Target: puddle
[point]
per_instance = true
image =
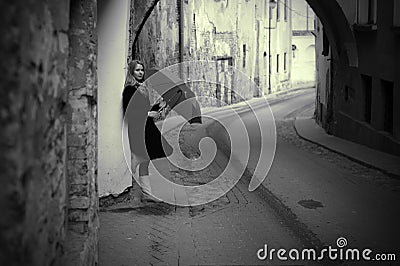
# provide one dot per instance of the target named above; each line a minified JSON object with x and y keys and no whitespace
{"x":310,"y":204}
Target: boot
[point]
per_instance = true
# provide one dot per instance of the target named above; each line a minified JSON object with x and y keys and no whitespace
{"x":146,"y":189}
{"x":144,"y":179}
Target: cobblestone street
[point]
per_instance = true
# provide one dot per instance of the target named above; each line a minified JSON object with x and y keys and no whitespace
{"x":229,"y":230}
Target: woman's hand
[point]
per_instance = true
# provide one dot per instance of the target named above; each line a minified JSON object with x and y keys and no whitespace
{"x":162,"y":104}
{"x":152,"y":114}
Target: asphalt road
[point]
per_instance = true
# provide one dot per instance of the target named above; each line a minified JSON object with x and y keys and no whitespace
{"x":227,"y":231}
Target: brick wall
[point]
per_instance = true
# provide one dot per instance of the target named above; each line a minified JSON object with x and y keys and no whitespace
{"x":83,"y":220}
{"x":43,"y":112}
{"x":34,"y":53}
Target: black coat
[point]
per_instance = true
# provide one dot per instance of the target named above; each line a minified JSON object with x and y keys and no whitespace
{"x":145,"y":139}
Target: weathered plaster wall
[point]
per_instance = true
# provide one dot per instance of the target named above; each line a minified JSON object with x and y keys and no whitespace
{"x":158,"y":44}
{"x":302,"y":16}
{"x":303,"y":70}
{"x":303,"y":56}
{"x":224,"y":30}
{"x":281,"y":40}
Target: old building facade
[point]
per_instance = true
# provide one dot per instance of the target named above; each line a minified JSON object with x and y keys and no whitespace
{"x":252,"y":36}
{"x":303,"y":44}
{"x":362,"y":103}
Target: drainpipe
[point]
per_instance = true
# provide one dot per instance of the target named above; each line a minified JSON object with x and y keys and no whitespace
{"x":272,"y":4}
{"x":180,"y":4}
{"x":269,"y":52}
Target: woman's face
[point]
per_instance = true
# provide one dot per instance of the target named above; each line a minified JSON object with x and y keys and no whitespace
{"x":138,"y":72}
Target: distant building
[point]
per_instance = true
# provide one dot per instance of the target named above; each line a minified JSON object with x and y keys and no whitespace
{"x":280,"y":40}
{"x":303,"y":44}
{"x":361,"y":102}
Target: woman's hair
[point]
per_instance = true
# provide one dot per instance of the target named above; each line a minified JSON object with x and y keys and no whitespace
{"x":130,"y":80}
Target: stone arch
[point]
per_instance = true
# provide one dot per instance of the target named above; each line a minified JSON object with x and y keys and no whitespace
{"x":338,"y":30}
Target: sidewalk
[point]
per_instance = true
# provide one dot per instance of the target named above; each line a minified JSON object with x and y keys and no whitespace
{"x":311,"y":131}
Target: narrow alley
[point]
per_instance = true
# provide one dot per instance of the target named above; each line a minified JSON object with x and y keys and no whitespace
{"x":200,"y":132}
{"x":230,"y":230}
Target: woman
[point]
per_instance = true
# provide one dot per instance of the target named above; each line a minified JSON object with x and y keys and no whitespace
{"x":146,"y":141}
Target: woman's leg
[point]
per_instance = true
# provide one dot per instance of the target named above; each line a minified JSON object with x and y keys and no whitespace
{"x":135,"y":163}
{"x":135,"y":193}
{"x":144,"y":177}
{"x":145,"y":184}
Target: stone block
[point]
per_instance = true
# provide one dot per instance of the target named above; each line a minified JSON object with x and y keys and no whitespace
{"x":79,"y":190}
{"x":77,"y":153}
{"x":78,"y":227}
{"x":79,"y":202}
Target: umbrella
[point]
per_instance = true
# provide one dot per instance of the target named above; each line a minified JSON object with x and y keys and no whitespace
{"x":176,"y":93}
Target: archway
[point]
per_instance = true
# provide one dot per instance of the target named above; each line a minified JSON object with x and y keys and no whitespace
{"x":335,"y":22}
{"x":337,"y":28}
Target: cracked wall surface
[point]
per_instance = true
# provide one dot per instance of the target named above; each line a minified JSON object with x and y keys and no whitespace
{"x":233,"y":32}
{"x":39,"y":113}
{"x":83,"y":222}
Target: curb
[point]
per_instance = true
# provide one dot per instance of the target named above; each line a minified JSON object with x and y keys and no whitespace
{"x":352,"y":158}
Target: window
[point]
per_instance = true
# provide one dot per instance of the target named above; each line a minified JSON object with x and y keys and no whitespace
{"x":346,"y":93}
{"x":272,"y":14}
{"x":244,"y":55}
{"x":277,"y":63}
{"x":278,"y":10}
{"x":387,"y":97}
{"x":366,"y":82}
{"x":284,"y":61}
{"x":366,"y":11}
{"x":285,"y":14}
